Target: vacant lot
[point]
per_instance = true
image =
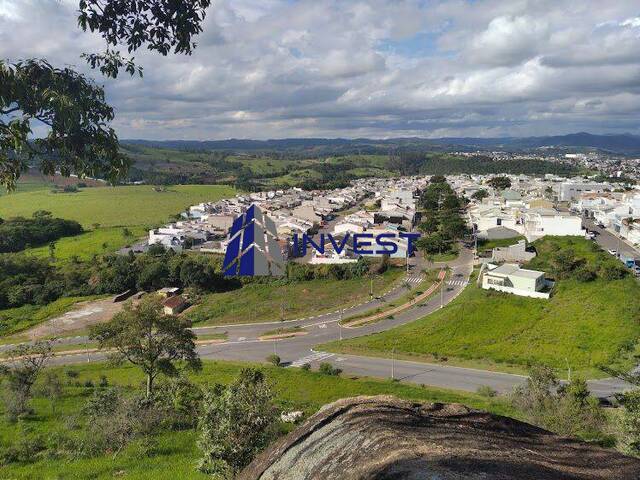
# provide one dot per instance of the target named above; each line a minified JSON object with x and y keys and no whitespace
{"x":583,"y":325}
{"x":174,"y":454}
{"x":260,"y":302}
{"x":113,"y":206}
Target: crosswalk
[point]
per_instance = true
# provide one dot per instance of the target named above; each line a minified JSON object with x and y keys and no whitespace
{"x":314,"y":357}
{"x":415,"y":279}
{"x":457,"y":283}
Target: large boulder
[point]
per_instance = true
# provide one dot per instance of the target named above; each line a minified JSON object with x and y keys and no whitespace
{"x":386,"y":438}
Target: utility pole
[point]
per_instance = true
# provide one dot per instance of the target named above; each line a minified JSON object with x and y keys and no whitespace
{"x":568,"y":369}
{"x":442,"y":292}
{"x":393,"y":360}
{"x":275,"y":346}
{"x":371,"y":288}
{"x":340,"y":323}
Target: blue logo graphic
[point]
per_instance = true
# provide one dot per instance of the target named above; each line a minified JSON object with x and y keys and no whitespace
{"x":253,"y":247}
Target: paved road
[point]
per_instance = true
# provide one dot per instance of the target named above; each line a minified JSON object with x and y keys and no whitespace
{"x":609,"y":241}
{"x":243,"y":344}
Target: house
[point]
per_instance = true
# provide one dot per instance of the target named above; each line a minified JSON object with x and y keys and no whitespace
{"x":510,"y":278}
{"x":174,"y":305}
{"x":541,"y":222}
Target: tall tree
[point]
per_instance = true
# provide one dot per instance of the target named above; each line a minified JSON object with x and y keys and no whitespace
{"x":71,"y":107}
{"x":144,"y":336}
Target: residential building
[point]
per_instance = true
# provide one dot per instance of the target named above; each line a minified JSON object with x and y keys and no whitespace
{"x":510,"y":278}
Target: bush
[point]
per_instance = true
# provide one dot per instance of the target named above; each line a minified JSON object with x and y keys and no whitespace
{"x":306,"y":367}
{"x":274,"y":359}
{"x":612,"y":272}
{"x":328,"y":369}
{"x":486,"y":391}
{"x":585,"y":274}
{"x":26,"y":448}
{"x":104,"y":383}
{"x":236,"y":423}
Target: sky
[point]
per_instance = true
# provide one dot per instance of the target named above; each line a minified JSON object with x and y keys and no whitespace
{"x":376,"y":68}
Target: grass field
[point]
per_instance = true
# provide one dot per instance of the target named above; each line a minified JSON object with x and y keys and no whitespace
{"x":93,"y":242}
{"x":121,"y":206}
{"x":260,"y":302}
{"x":176,"y":454}
{"x":14,"y":320}
{"x":583,"y":325}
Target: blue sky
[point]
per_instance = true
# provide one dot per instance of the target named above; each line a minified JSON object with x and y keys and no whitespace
{"x":376,"y":68}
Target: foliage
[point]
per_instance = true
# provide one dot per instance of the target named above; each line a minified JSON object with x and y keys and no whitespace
{"x":160,"y":26}
{"x":585,"y":323}
{"x":18,"y":233}
{"x":499,"y":182}
{"x":73,"y":109}
{"x":327,"y":369}
{"x":480,"y":194}
{"x":274,"y":360}
{"x":443,"y":222}
{"x":21,"y":370}
{"x":145,"y":337}
{"x":567,"y":409}
{"x":237,"y":423}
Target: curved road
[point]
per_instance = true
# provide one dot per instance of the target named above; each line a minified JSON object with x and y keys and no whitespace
{"x":243,"y":342}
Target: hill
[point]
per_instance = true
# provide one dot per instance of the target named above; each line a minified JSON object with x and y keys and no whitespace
{"x":622,"y":143}
{"x":584,"y":324}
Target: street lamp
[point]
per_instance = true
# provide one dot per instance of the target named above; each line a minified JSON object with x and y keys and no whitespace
{"x":340,"y":323}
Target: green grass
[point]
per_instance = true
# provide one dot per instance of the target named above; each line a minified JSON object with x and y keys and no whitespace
{"x":263,"y":302}
{"x":136,"y":205}
{"x":85,"y":245}
{"x":488,"y":245}
{"x":176,"y":453}
{"x":283,"y":331}
{"x":583,"y":324}
{"x":15,"y":320}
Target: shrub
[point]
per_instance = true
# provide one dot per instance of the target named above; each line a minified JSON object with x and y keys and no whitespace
{"x":486,"y":391}
{"x":236,"y":423}
{"x":274,"y":359}
{"x":26,"y":448}
{"x":306,"y":367}
{"x":104,"y":382}
{"x":585,"y":274}
{"x":612,"y":271}
{"x":328,"y":369}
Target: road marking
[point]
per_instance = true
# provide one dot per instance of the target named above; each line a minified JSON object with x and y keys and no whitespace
{"x":322,"y":325}
{"x":314,"y":357}
{"x":457,"y":283}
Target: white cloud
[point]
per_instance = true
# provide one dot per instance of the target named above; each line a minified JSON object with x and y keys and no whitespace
{"x":285,"y":68}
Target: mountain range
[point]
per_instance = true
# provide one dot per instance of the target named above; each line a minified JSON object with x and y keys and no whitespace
{"x":618,"y":143}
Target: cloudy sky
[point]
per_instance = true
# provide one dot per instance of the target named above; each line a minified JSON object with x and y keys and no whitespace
{"x":375,"y":68}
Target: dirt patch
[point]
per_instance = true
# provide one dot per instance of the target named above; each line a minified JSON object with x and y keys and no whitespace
{"x":82,"y":316}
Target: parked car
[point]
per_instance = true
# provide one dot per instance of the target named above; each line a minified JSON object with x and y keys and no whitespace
{"x":613,"y":252}
{"x":590,"y":236}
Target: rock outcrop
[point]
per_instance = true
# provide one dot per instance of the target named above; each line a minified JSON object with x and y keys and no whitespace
{"x":386,"y":438}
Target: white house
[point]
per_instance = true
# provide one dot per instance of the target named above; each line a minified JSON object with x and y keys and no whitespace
{"x":541,"y":222}
{"x":510,"y":278}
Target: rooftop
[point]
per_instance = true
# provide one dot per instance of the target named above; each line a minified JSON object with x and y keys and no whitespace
{"x":514,"y":270}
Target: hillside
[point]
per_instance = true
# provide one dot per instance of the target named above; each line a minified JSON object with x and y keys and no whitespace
{"x":622,"y":143}
{"x":583,"y":325}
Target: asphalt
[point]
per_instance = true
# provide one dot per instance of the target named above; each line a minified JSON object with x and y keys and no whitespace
{"x":243,"y":342}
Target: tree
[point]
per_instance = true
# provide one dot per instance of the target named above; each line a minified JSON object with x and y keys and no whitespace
{"x":564,"y":262}
{"x":21,"y":370}
{"x":236,"y":423}
{"x":145,"y":337}
{"x":499,"y":182}
{"x":73,"y":109}
{"x":51,"y":389}
{"x":160,"y":25}
{"x":480,"y":194}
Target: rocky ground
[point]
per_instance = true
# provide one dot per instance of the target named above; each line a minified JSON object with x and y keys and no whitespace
{"x":386,"y":438}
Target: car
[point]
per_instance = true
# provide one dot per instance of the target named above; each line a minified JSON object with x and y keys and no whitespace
{"x":613,"y":252}
{"x":600,"y":225}
{"x":590,"y":236}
